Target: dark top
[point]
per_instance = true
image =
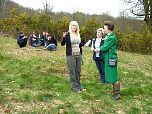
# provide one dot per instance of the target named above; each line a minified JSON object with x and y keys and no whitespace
{"x":51,"y":41}
{"x":67,"y":40}
{"x":43,"y":38}
{"x":20,"y":39}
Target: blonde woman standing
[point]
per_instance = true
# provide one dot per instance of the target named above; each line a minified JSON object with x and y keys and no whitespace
{"x":73,"y":55}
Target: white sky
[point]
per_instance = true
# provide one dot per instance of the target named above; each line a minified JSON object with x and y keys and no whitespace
{"x":113,"y":7}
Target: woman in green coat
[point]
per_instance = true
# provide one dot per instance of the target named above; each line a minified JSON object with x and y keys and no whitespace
{"x":110,"y":58}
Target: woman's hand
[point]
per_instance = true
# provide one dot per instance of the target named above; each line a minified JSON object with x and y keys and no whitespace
{"x":87,"y":44}
{"x":64,"y":33}
{"x":97,"y":49}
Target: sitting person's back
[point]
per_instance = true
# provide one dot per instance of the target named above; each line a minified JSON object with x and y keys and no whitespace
{"x":51,"y":43}
{"x":22,"y":40}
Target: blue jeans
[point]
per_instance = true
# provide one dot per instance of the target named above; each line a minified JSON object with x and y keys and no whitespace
{"x":51,"y":47}
{"x":101,"y":69}
{"x":35,"y":43}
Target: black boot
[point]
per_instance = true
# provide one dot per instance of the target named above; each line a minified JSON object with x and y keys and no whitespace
{"x":116,"y":91}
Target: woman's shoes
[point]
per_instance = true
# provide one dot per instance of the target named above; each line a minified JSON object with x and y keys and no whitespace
{"x":83,"y":89}
{"x":79,"y":91}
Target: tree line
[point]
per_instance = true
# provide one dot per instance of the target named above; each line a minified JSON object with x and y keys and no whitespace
{"x":133,"y":35}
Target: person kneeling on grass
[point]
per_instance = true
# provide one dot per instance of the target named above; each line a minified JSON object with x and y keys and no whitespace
{"x":51,"y":43}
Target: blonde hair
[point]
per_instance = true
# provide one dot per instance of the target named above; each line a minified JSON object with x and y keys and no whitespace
{"x":70,"y":27}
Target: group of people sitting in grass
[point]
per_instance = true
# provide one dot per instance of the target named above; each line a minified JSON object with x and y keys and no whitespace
{"x":34,"y":40}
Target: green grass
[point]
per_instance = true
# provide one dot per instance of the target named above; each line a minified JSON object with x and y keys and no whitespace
{"x":33,"y":80}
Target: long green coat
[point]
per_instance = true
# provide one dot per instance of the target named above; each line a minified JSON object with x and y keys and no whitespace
{"x":109,"y":49}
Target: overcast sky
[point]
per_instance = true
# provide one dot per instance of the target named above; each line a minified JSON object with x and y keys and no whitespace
{"x":113,"y":7}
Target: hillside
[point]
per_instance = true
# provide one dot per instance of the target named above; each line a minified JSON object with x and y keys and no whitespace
{"x":7,"y":5}
{"x":33,"y":80}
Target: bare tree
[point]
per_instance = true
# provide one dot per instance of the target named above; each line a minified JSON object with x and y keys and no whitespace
{"x":2,"y":8}
{"x":47,"y":7}
{"x":1,"y":4}
{"x":142,"y":8}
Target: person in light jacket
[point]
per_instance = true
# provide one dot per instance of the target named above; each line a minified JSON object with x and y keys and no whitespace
{"x":98,"y":57}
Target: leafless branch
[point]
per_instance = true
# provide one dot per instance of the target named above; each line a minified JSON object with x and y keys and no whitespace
{"x":137,"y":14}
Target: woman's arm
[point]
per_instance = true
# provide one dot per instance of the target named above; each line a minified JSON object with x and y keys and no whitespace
{"x":63,"y":41}
{"x":82,"y":43}
{"x":107,"y":44}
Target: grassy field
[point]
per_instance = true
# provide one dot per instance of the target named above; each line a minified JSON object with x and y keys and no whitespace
{"x":36,"y":81}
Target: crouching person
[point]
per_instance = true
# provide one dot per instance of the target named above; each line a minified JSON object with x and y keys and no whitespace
{"x":110,"y":58}
{"x":22,"y":40}
{"x":51,"y":43}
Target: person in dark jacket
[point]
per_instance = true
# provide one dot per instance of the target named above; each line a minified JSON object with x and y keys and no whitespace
{"x":51,"y":43}
{"x":73,"y":55}
{"x":22,"y":40}
{"x":98,"y":57}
